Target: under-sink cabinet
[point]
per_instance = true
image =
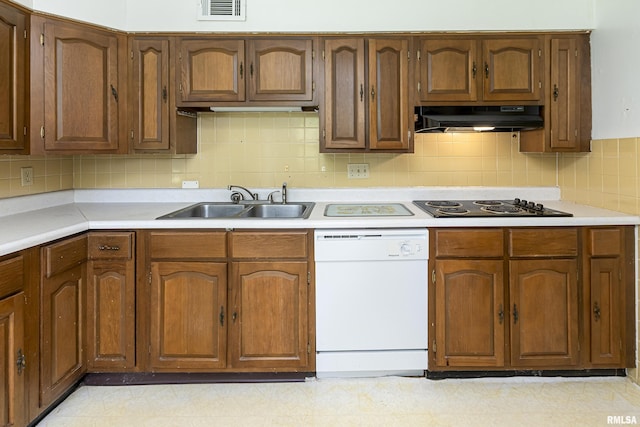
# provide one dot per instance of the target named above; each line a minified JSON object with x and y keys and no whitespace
{"x":229,"y":301}
{"x":530,"y":298}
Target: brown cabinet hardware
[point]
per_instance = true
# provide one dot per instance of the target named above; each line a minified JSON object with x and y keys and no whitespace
{"x":596,"y":311}
{"x":500,"y":314}
{"x":556,"y":93}
{"x":515,"y":314}
{"x":21,"y":362}
{"x":221,"y":315}
{"x":114,"y":92}
{"x":108,"y":248}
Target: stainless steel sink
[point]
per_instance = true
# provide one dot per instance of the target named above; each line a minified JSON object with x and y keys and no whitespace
{"x":290,"y":210}
{"x":209,"y":210}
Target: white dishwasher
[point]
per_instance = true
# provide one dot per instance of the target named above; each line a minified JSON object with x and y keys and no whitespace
{"x":371,"y":302}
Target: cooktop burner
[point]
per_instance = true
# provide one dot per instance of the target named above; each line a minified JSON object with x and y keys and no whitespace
{"x":487,"y":208}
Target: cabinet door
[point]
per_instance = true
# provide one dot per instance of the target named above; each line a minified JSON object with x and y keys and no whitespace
{"x":81,"y":89}
{"x":512,"y":69}
{"x":188,"y":315}
{"x":448,"y":70}
{"x":61,"y":319}
{"x":344,"y":96}
{"x":606,"y":337}
{"x":12,"y":81}
{"x":469,"y":313}
{"x":564,"y":116}
{"x":150,"y":94}
{"x":280,"y":70}
{"x":269,"y":315}
{"x":111,"y":315}
{"x":544,"y":312}
{"x":388,"y":94}
{"x":211,"y":70}
{"x":12,"y":380}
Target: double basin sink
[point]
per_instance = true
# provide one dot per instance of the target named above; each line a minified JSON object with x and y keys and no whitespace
{"x":221,"y":210}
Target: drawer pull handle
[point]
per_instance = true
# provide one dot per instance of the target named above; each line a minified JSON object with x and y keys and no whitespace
{"x":108,"y":248}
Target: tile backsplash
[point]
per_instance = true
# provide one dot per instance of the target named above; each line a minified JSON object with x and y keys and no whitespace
{"x":265,"y":149}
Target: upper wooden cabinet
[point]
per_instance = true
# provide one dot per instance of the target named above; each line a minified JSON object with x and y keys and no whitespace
{"x":13,"y":66}
{"x":264,"y":70}
{"x":155,"y":122}
{"x":567,"y":112}
{"x":492,"y":70}
{"x":366,"y":102}
{"x":78,"y":103}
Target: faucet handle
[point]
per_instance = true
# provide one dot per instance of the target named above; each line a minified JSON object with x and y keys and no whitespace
{"x":270,"y":196}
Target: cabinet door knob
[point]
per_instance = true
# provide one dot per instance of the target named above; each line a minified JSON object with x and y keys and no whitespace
{"x":486,"y":70}
{"x":556,"y":92}
{"x":474,"y":70}
{"x":221,"y":315}
{"x":114,"y":92}
{"x":515,"y":314}
{"x":373,"y":93}
{"x":500,"y":314}
{"x":21,"y":362}
{"x":596,"y":311}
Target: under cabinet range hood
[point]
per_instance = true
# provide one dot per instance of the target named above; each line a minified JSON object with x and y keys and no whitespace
{"x":478,"y":118}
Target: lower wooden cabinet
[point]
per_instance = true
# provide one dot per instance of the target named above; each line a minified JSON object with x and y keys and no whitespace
{"x":469,"y":313}
{"x":188,"y":315}
{"x":110,"y":308}
{"x":269,"y":315}
{"x":609,"y":307}
{"x":229,"y":301}
{"x":544,"y":312}
{"x":12,"y":360}
{"x":512,"y":299}
{"x":61,"y":317}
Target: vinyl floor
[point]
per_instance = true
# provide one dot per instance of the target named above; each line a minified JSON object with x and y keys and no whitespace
{"x":388,"y":401}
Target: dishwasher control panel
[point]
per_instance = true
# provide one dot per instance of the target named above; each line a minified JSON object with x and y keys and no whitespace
{"x":372,"y":245}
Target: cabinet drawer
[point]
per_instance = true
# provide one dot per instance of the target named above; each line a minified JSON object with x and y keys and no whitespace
{"x":544,"y":242}
{"x":63,"y":255}
{"x":604,"y":241}
{"x":110,"y":245}
{"x":188,"y":245}
{"x":11,"y":276}
{"x":469,"y":243}
{"x":290,"y":244}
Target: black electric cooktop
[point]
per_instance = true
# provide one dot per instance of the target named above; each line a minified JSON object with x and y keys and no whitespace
{"x":487,"y":208}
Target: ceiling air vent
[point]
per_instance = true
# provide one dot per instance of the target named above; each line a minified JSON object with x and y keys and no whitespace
{"x":222,"y":10}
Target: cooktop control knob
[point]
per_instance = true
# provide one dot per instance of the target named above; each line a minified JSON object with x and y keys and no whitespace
{"x":539,"y":207}
{"x":531,"y":205}
{"x":516,"y":201}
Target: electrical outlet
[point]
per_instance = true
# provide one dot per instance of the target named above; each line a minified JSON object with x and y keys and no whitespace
{"x":26,"y":176}
{"x":190,"y":184}
{"x":358,"y":170}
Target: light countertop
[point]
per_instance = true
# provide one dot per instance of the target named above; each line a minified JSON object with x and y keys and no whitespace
{"x":33,"y":220}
